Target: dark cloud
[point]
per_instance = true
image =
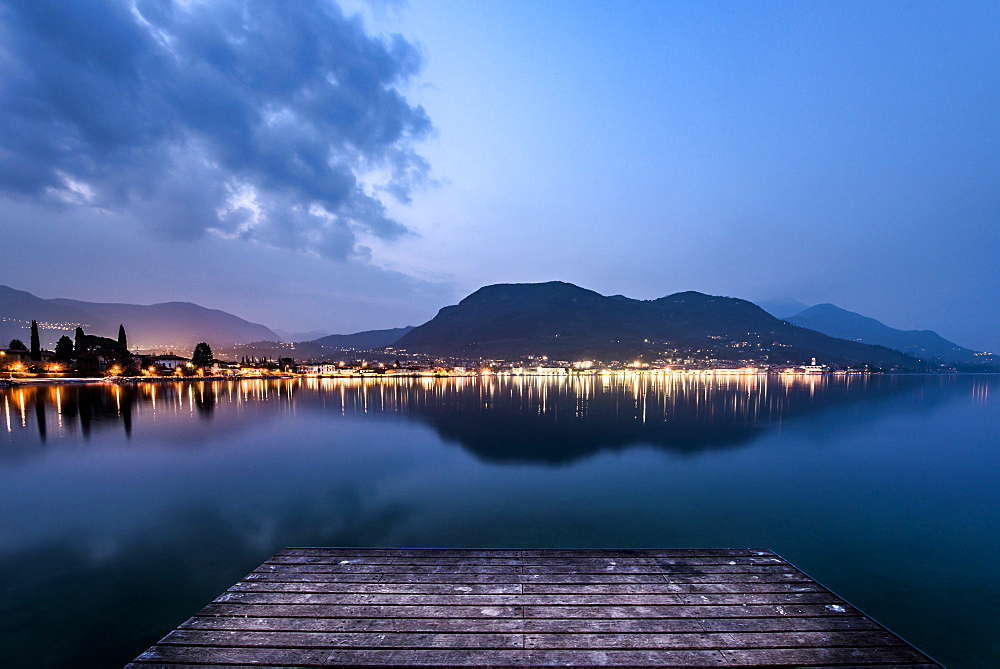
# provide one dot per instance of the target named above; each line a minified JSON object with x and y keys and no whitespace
{"x":279,"y":122}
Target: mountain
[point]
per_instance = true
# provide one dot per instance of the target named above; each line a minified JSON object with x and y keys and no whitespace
{"x":168,"y":326}
{"x":782,"y":308}
{"x":312,"y":335}
{"x":926,"y":344}
{"x":569,"y":323}
{"x":362,"y":341}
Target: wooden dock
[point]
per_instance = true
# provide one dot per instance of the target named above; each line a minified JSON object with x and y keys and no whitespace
{"x":348,"y":606}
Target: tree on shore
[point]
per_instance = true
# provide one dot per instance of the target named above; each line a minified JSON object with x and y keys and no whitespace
{"x":122,"y":339}
{"x":36,"y":346}
{"x":80,"y":344}
{"x":16,"y":345}
{"x":64,"y":349}
{"x":202,"y":355}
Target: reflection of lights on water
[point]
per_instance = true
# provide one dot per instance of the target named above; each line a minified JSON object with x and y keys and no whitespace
{"x":6,"y":412}
{"x":638,"y":396}
{"x":59,"y":416}
{"x":981,"y":392}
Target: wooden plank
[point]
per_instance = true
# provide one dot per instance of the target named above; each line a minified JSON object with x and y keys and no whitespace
{"x":721,"y":559}
{"x":773,"y":577}
{"x":402,"y":552}
{"x":738,"y":611}
{"x":701,"y":639}
{"x":538,"y":625}
{"x":267,"y":575}
{"x":653,"y":625}
{"x":381,"y":588}
{"x":496,"y":600}
{"x":358,"y":568}
{"x":440,"y":625}
{"x":510,"y":567}
{"x":652,"y":553}
{"x":287,"y":639}
{"x":472,"y":577}
{"x":421,"y":607}
{"x":728,"y":569}
{"x":696,"y":639}
{"x":665,"y":588}
{"x":582,"y":565}
{"x":789,"y":624}
{"x":454,"y":579}
{"x":442,"y":561}
{"x":895,"y":655}
{"x":336,"y":611}
{"x":650,"y":568}
{"x":334,"y":577}
{"x":193,"y":655}
{"x":503,"y":658}
{"x":596,"y":568}
{"x":744,"y":598}
{"x":566,"y":599}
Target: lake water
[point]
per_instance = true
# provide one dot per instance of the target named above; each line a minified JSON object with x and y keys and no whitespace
{"x":125,"y":509}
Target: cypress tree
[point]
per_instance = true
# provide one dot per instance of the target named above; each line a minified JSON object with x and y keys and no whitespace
{"x":36,"y":347}
{"x":122,"y":340}
{"x":78,"y":344}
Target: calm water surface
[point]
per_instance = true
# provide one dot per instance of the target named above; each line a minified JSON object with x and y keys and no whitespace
{"x":123,"y":510}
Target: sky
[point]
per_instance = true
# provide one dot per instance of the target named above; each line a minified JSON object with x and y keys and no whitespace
{"x":341,"y":167}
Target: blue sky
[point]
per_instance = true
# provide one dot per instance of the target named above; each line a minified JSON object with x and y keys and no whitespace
{"x":359,"y":166}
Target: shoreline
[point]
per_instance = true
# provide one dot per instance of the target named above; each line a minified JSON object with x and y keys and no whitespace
{"x":13,"y":383}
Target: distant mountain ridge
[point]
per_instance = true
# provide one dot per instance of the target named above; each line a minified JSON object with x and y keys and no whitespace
{"x":312,"y":335}
{"x":926,"y":344}
{"x":567,"y":322}
{"x":782,"y":308}
{"x":178,"y":325}
{"x":365,"y":340}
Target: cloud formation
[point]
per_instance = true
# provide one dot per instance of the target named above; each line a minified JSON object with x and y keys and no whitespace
{"x":279,"y":122}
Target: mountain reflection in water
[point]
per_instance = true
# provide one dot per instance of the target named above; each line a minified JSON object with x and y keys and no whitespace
{"x":502,"y":419}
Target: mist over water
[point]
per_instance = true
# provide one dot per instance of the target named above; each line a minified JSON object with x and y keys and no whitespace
{"x":125,"y":509}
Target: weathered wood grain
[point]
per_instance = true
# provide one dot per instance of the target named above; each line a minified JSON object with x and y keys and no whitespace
{"x":195,"y":655}
{"x":593,"y":607}
{"x":664,"y":588}
{"x":288,"y":639}
{"x":652,"y":625}
{"x":529,"y":658}
{"x":735,"y":611}
{"x":702,"y":639}
{"x":335,"y":611}
{"x":893,"y":656}
{"x":381,"y":588}
{"x":439,"y":625}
